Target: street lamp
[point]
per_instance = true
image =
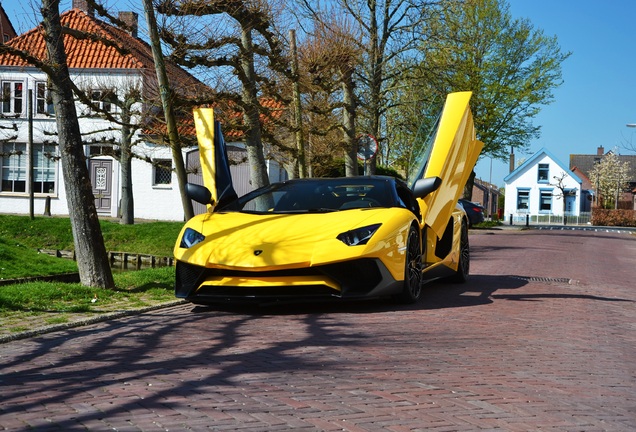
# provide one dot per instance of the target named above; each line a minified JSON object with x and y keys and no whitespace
{"x":632,"y":125}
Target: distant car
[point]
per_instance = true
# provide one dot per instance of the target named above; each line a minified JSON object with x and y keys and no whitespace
{"x":474,"y":211}
{"x":320,"y":238}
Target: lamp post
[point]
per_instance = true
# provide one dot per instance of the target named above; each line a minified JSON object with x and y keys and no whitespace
{"x":632,"y":125}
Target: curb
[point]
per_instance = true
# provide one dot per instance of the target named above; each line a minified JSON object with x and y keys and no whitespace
{"x":88,"y":321}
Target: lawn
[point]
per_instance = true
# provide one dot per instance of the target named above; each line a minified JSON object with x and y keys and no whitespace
{"x":27,"y":305}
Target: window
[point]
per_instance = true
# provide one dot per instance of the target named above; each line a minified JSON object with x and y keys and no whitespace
{"x":14,"y":168}
{"x":43,"y":102}
{"x":12,"y":97}
{"x":523,"y":198}
{"x":544,"y":173}
{"x":103,"y":99}
{"x":545,"y":200}
{"x":162,"y":172}
{"x":44,"y":159}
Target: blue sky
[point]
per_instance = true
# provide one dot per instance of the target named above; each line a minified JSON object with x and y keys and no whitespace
{"x":597,"y":98}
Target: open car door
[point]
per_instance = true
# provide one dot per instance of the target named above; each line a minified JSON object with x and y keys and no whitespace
{"x":215,"y":167}
{"x":452,"y":158}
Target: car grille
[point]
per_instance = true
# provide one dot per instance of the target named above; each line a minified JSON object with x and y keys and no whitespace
{"x":354,"y":278}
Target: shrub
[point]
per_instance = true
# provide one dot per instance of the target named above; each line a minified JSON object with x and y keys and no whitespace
{"x":619,"y":217}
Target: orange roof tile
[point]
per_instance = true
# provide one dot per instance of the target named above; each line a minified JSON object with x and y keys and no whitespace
{"x":95,"y":54}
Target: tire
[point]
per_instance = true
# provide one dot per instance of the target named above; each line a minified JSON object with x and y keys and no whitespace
{"x":463,"y":267}
{"x":412,"y":288}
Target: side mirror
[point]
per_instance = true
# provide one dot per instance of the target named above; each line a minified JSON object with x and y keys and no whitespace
{"x":425,"y":186}
{"x":198,"y":193}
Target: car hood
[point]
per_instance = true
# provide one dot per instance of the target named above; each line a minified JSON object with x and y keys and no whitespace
{"x":250,"y":241}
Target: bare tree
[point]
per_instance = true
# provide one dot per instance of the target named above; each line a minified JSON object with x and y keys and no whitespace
{"x":330,"y":57}
{"x":563,"y":192}
{"x":92,"y":260}
{"x":387,"y":31}
{"x":237,"y":40}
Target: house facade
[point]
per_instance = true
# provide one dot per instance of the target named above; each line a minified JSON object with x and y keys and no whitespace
{"x":7,"y":32}
{"x":543,"y":186}
{"x":582,"y":164}
{"x":487,"y":195}
{"x":29,"y":153}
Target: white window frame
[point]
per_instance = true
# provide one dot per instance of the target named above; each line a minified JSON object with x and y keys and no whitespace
{"x":43,"y":103}
{"x":14,"y":168}
{"x":10,"y":99}
{"x":96,"y":97}
{"x":157,"y":166}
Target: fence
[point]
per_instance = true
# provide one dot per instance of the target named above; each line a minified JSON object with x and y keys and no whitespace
{"x":549,"y":219}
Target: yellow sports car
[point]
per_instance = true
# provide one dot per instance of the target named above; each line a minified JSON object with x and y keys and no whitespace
{"x":322,"y":238}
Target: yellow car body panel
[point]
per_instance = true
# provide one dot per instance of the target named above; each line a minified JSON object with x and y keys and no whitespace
{"x":283,"y":241}
{"x":204,"y":125}
{"x":453,"y":157}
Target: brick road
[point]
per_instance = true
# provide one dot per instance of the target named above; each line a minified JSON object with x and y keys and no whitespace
{"x":543,"y":338}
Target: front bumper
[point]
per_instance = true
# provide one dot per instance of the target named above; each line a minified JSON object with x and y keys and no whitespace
{"x":361,"y":278}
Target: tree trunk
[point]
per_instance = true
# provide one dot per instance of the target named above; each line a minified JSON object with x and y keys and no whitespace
{"x":168,"y":110}
{"x":92,"y":260}
{"x":125,"y":160}
{"x":348,"y":123}
{"x":251,"y":119}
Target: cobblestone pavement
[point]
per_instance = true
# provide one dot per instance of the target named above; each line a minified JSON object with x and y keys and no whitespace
{"x":542,"y":338}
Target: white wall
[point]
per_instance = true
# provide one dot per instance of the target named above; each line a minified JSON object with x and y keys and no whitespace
{"x":528,"y":178}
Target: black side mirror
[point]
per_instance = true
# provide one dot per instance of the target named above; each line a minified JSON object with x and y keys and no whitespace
{"x":198,"y":193}
{"x":425,"y":186}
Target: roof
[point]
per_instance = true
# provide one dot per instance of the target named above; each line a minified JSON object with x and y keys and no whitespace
{"x":96,"y":54}
{"x":533,"y":160}
{"x":585,"y":163}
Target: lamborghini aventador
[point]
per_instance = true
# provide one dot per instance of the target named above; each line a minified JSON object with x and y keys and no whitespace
{"x":329,"y":238}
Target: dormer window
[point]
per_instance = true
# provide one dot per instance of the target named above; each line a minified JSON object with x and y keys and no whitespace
{"x":544,"y":173}
{"x":12,"y":97}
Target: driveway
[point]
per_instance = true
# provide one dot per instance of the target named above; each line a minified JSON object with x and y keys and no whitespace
{"x":542,"y":338}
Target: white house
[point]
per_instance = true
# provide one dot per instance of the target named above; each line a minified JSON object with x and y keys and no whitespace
{"x":102,"y":71}
{"x":539,"y":187}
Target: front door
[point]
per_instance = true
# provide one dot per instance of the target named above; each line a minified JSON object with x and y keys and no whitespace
{"x":102,"y":180}
{"x":570,"y":200}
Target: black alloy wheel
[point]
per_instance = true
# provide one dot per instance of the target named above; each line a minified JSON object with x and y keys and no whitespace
{"x":412,"y":288}
{"x":463,"y":267}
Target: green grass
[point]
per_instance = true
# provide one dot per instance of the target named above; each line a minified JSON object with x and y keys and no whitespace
{"x":489,"y":224}
{"x":133,"y":289}
{"x":17,"y":261}
{"x":21,"y":237}
{"x":25,"y":306}
{"x":154,"y":238}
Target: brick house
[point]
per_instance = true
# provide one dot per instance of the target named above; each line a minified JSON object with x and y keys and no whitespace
{"x":583,"y":163}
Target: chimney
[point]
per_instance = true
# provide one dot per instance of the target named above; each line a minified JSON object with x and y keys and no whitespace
{"x":131,"y":21}
{"x":512,"y":159}
{"x":84,"y":6}
{"x":600,"y":151}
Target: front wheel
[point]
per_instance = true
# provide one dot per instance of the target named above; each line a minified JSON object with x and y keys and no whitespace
{"x":463,"y":266}
{"x":412,"y":288}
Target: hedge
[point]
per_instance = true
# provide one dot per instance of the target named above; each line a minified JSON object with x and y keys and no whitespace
{"x":619,"y":217}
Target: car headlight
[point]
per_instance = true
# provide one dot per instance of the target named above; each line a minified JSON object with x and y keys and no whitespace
{"x":190,"y":238}
{"x":358,"y":236}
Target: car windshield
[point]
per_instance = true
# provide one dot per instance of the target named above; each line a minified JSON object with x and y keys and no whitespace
{"x":317,"y":195}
